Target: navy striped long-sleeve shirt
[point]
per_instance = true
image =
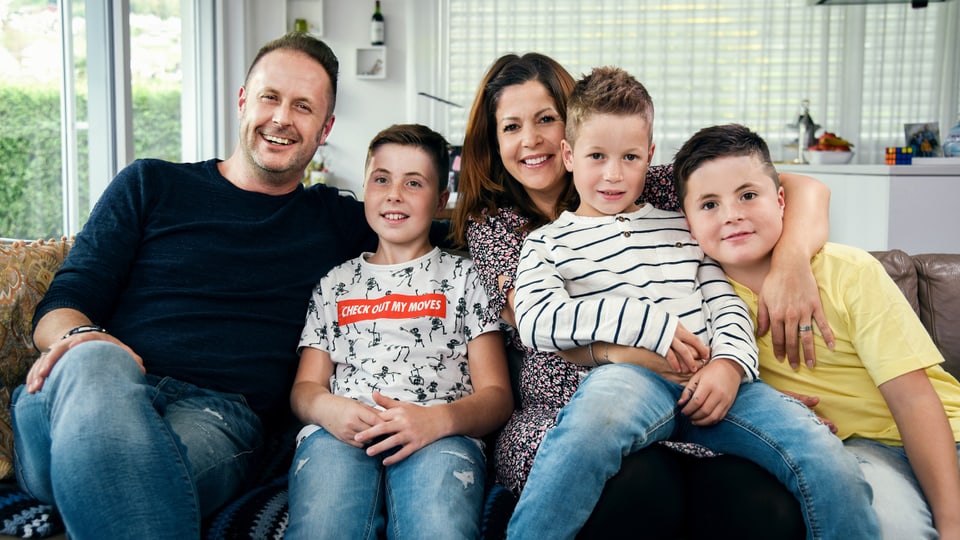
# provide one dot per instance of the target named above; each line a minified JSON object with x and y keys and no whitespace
{"x":627,"y":279}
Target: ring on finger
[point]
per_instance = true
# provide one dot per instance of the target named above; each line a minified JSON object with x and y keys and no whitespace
{"x":805,"y":328}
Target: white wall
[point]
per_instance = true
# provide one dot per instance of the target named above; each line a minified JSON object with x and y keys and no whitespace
{"x":364,"y":106}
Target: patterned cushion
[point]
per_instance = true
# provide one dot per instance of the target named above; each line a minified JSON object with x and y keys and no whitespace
{"x":25,"y":517}
{"x":26,"y":271}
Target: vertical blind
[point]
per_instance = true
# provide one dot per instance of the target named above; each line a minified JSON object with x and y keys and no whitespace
{"x":719,"y":61}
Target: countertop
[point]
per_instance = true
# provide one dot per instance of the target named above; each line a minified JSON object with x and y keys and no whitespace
{"x":925,"y":167}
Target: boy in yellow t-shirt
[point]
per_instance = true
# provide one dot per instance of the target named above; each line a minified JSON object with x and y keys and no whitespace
{"x":881,"y":382}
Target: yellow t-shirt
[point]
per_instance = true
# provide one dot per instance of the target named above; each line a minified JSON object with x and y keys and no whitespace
{"x":878,"y":338}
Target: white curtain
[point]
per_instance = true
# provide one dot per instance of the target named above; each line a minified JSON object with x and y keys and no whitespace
{"x":866,"y":70}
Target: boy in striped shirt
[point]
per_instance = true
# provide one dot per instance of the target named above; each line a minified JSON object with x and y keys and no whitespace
{"x":614,"y":271}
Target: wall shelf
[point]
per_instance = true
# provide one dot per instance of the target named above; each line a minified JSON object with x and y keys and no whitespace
{"x":371,"y":62}
{"x":308,"y":10}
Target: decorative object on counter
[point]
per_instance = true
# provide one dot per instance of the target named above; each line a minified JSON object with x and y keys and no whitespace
{"x":899,"y":155}
{"x":924,"y":138}
{"x":806,"y":131}
{"x":300,"y":25}
{"x":830,"y":142}
{"x":316,"y":171}
{"x":377,"y":26}
{"x":951,"y":143}
{"x":827,"y":157}
{"x":829,"y":149}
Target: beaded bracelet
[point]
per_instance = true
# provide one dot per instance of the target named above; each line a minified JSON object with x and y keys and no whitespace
{"x":83,"y":329}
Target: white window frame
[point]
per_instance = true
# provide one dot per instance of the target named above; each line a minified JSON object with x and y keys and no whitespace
{"x":110,"y":108}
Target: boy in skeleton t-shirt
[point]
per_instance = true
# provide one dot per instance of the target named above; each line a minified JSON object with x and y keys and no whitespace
{"x":402,"y":369}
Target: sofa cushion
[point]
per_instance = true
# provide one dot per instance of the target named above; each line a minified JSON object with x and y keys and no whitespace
{"x":26,"y":271}
{"x":939,"y":294}
{"x":901,"y":268}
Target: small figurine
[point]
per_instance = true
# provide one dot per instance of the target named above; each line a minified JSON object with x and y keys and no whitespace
{"x":806,"y":131}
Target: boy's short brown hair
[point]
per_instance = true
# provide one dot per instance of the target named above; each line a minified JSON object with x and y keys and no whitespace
{"x":717,"y":142}
{"x":607,"y":90}
{"x":419,"y":136}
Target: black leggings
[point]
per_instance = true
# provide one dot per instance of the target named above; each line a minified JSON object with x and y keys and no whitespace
{"x":659,"y":493}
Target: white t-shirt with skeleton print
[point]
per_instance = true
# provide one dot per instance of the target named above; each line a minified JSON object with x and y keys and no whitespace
{"x":399,"y":329}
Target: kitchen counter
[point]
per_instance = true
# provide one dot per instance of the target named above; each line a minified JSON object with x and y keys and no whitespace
{"x":880,"y":207}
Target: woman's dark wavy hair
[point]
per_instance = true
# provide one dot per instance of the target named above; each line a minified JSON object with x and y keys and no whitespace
{"x":484,"y":182}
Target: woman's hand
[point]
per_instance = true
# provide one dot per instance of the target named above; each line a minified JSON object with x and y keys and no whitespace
{"x":788,"y":307}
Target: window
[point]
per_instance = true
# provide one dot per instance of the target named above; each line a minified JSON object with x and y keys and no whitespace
{"x":80,"y":104}
{"x":866,"y":70}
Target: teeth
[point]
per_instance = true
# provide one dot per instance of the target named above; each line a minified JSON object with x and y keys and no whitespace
{"x":535,"y":161}
{"x":277,"y":140}
{"x":395,"y":216}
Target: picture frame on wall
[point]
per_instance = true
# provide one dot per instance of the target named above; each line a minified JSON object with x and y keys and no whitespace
{"x":924,"y":138}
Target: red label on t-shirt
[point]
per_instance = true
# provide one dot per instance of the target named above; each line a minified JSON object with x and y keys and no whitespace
{"x":392,"y":306}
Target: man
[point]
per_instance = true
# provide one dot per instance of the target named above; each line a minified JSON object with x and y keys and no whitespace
{"x":169,"y":335}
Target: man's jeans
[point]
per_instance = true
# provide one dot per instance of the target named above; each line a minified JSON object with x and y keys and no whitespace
{"x":126,"y":455}
{"x":897,"y":497}
{"x":619,"y":409}
{"x":338,"y":491}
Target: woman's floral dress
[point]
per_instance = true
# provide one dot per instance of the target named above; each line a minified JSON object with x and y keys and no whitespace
{"x":547,"y":381}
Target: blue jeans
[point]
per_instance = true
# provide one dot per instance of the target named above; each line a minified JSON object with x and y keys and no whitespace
{"x":619,"y":409}
{"x":897,"y":497}
{"x":338,"y":491}
{"x":126,"y":455}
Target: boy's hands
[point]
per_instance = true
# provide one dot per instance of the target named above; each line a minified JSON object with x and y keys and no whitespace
{"x":405,"y":425}
{"x":345,"y":418}
{"x":687,"y":353}
{"x":711,"y":391}
{"x":811,"y":402}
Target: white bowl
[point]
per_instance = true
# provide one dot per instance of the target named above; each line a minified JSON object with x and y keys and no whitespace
{"x":827,"y":157}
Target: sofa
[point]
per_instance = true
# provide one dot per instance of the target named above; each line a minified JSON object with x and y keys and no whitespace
{"x":931,"y":282}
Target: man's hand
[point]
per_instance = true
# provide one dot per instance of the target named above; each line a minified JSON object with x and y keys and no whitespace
{"x":40,"y":369}
{"x":788,"y":307}
{"x":710,"y":393}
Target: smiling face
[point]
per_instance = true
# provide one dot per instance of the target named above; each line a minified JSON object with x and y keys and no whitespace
{"x":283,"y":116}
{"x":609,"y":160}
{"x":735,"y":211}
{"x":400,"y":197}
{"x":529,"y":130}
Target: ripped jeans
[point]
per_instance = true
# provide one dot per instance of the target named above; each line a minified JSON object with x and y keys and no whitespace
{"x":338,"y":491}
{"x":620,"y":408}
{"x":127,"y":455}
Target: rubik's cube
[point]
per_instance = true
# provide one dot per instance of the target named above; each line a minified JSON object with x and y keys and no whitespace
{"x":899,"y":155}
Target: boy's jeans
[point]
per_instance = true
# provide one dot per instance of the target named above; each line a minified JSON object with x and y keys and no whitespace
{"x":127,"y":455}
{"x":897,"y":497}
{"x":338,"y":491}
{"x":619,"y":409}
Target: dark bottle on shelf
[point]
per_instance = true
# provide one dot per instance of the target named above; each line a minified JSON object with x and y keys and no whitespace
{"x":377,"y":26}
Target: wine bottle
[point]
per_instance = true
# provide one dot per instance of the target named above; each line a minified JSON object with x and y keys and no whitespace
{"x":377,"y":26}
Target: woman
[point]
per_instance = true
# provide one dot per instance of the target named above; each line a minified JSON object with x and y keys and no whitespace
{"x":512,"y":180}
